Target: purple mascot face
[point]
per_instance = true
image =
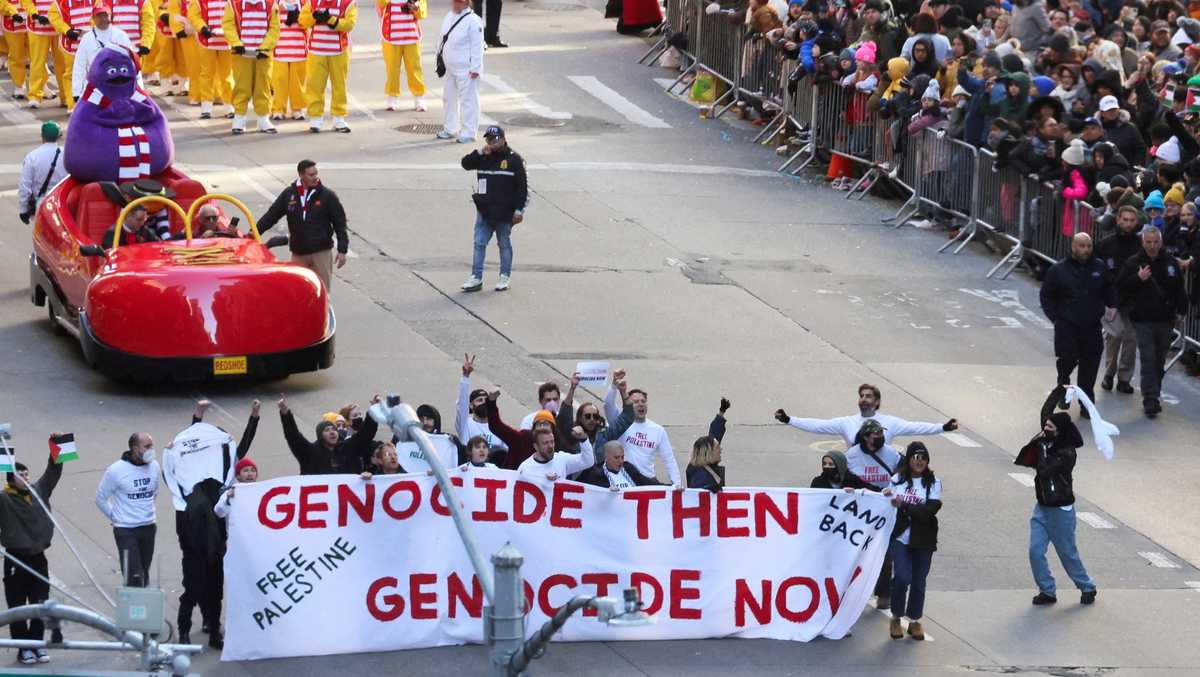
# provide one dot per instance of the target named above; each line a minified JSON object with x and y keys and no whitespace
{"x":116,"y":132}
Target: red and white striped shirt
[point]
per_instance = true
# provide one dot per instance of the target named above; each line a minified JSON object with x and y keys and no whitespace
{"x":10,"y":27}
{"x":164,"y":31}
{"x":43,"y":8}
{"x":127,"y":15}
{"x":399,"y":27}
{"x":213,"y":11}
{"x":78,"y":15}
{"x":252,"y":17}
{"x":323,"y":40}
{"x":292,"y":45}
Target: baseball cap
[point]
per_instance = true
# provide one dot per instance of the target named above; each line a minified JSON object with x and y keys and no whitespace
{"x":1091,"y":121}
{"x":1160,"y":25}
{"x":493,"y":132}
{"x":102,"y":7}
{"x":1108,"y":103}
{"x":50,"y":130}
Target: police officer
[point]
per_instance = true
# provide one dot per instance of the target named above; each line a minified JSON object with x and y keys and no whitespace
{"x":501,"y":193}
{"x":1076,"y":294}
{"x":1151,"y":285}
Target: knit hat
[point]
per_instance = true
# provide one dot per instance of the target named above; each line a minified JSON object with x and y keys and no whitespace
{"x":932,"y":91}
{"x":244,"y":463}
{"x":992,"y":59}
{"x":876,"y":5}
{"x":322,"y":426}
{"x":1073,"y":155}
{"x":543,"y":416}
{"x":866,"y":52}
{"x":959,"y":91}
{"x":1168,"y":151}
{"x":1175,"y":195}
{"x":330,"y":416}
{"x":913,"y":449}
{"x":1044,"y":85}
{"x":1011,"y":62}
{"x":1154,"y":200}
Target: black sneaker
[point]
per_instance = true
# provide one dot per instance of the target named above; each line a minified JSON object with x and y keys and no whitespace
{"x":1124,"y":387}
{"x":1151,"y":407}
{"x":1088,"y":597}
{"x":1042,"y":599}
{"x":1107,"y":383}
{"x":1083,"y":412}
{"x":216,"y":640}
{"x":185,"y":638}
{"x":1062,"y":401}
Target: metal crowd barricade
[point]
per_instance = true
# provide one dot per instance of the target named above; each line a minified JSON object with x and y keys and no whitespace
{"x":675,"y":22}
{"x":720,"y":53}
{"x":763,"y":77}
{"x":1001,"y":207}
{"x":800,"y":109}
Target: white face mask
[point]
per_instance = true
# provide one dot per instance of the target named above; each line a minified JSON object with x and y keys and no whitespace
{"x":148,"y":455}
{"x":551,"y":406}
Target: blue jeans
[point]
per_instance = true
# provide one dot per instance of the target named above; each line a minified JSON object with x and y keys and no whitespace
{"x":910,"y":568}
{"x":483,"y":235}
{"x":1055,"y":525}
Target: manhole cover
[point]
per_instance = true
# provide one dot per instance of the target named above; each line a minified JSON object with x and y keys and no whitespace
{"x":535,"y":121}
{"x":423,"y":128}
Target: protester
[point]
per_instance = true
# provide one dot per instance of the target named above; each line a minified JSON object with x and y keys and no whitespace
{"x":26,"y":530}
{"x":471,"y":414}
{"x":646,"y":440}
{"x":835,"y":474}
{"x":246,"y":472}
{"x":874,"y":461}
{"x":704,"y":469}
{"x":384,"y":460}
{"x":549,"y":399}
{"x":329,"y":454}
{"x":478,"y":450}
{"x":1076,"y":295}
{"x":848,"y":427}
{"x":547,"y":465}
{"x":917,"y":495}
{"x":615,"y":472}
{"x":521,"y":443}
{"x":125,"y":496}
{"x":1052,"y":454}
{"x":1151,"y":286}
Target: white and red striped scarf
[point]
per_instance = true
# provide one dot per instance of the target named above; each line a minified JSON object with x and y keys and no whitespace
{"x":133,"y":144}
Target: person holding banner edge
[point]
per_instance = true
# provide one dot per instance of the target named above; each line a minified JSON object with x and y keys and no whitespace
{"x":874,"y":461}
{"x":917,"y":495}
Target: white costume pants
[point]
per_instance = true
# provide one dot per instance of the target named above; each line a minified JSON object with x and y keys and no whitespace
{"x":460,"y":90}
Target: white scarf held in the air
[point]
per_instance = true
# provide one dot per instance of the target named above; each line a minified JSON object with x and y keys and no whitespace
{"x":1102,"y":431}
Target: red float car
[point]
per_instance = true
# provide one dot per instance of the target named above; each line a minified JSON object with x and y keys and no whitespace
{"x":194,"y":309}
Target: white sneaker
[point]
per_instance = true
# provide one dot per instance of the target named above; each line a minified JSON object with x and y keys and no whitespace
{"x":206,"y":109}
{"x":315,"y":124}
{"x":19,"y":93}
{"x":239,"y":124}
{"x":466,"y":139}
{"x":26,"y":656}
{"x":393,"y":103}
{"x":42,"y":655}
{"x":419,"y":104}
{"x":923,"y":224}
{"x":444,"y":135}
{"x":339,"y":125}
{"x":472,"y":284}
{"x":502,"y":284}
{"x":265,"y":126}
{"x":299,"y":115}
{"x":34,"y":103}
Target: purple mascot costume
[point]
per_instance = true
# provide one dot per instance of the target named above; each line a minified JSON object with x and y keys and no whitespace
{"x":117,"y":132}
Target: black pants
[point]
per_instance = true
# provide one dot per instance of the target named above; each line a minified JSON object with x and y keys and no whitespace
{"x":135,"y":550}
{"x":883,"y":586}
{"x":203,"y":583}
{"x":1153,"y":342}
{"x":22,"y":587}
{"x":491,"y":19}
{"x":1082,"y":347}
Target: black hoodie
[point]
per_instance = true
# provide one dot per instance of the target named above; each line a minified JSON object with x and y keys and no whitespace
{"x":1053,"y":457}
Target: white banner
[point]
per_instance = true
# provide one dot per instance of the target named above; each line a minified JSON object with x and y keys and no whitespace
{"x":334,"y":564}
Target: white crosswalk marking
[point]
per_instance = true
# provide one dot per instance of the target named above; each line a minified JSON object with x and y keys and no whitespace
{"x":1023,"y":478}
{"x":1159,"y":560}
{"x":613,"y":99}
{"x":1194,"y":585}
{"x":961,"y":440}
{"x":521,"y":99}
{"x":1094,"y":521}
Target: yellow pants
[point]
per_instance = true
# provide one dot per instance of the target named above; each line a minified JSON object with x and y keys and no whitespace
{"x":4,"y":43}
{"x":410,"y":55}
{"x":42,"y":47}
{"x":332,"y":70}
{"x":287,"y":80}
{"x":212,"y":80}
{"x":191,"y":66}
{"x":251,"y":82}
{"x":18,"y":51}
{"x":166,"y":58}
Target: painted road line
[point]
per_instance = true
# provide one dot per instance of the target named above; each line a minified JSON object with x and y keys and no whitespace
{"x":1094,"y":521}
{"x":1022,"y":478}
{"x":961,"y":440}
{"x":521,"y":99}
{"x":12,"y":111}
{"x":358,"y":105}
{"x":1159,"y":560}
{"x":613,"y":99}
{"x":1194,"y":585}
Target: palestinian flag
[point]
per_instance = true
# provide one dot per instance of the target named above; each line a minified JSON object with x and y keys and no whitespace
{"x":62,"y":448}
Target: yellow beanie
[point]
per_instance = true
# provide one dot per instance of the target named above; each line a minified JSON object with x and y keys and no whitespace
{"x":1175,"y":195}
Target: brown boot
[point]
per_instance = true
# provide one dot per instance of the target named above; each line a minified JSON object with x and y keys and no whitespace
{"x":915,"y":629}
{"x":895,"y":630}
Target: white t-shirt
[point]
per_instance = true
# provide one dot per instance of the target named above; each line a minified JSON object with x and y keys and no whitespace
{"x":126,"y":493}
{"x":869,"y":470}
{"x":201,"y":451}
{"x":914,"y":494}
{"x":465,"y":425}
{"x":561,"y":464}
{"x":643,"y":442}
{"x":848,"y":426}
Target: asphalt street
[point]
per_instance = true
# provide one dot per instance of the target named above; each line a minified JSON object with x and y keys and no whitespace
{"x":664,"y":243}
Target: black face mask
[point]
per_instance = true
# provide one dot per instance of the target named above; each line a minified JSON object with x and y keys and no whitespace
{"x":830,"y":474}
{"x":356,"y":424}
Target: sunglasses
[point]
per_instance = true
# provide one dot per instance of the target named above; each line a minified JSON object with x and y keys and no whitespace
{"x":591,"y":417}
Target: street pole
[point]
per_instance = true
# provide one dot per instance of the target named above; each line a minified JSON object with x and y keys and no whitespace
{"x":505,"y":619}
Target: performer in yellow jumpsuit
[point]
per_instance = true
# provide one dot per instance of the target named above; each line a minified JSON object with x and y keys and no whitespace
{"x":136,"y":18}
{"x":43,"y":45}
{"x":288,"y":64}
{"x":400,"y":25}
{"x":70,"y":18}
{"x":330,"y":23}
{"x":251,"y":29}
{"x":212,"y":80}
{"x":15,"y":39}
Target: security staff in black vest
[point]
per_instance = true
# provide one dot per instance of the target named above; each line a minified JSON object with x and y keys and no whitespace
{"x":501,"y":193}
{"x":1078,"y":292}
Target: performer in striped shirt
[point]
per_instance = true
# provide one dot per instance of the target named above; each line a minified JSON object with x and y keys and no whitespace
{"x":136,"y":18}
{"x":43,"y":45}
{"x":70,"y":18}
{"x":251,"y":29}
{"x":212,"y":80}
{"x":329,"y":23}
{"x":288,"y":64}
{"x":15,"y":25}
{"x":400,"y":25}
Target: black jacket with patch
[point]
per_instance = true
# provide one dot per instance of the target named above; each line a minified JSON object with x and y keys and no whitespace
{"x":501,"y":186}
{"x":311,"y":226}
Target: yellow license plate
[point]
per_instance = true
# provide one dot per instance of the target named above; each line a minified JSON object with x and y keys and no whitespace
{"x":226,"y":366}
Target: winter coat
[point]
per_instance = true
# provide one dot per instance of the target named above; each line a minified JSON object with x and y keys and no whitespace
{"x":1031,"y":26}
{"x":1053,"y":459}
{"x":1116,"y":249}
{"x":312,"y":222}
{"x":501,"y":175}
{"x":1161,"y":297}
{"x":597,"y":476}
{"x":349,"y":456}
{"x":1077,"y":293}
{"x":700,"y":477}
{"x":920,"y":519}
{"x":25,"y":528}
{"x":844,"y":478}
{"x":1127,"y":139}
{"x":1076,"y":189}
